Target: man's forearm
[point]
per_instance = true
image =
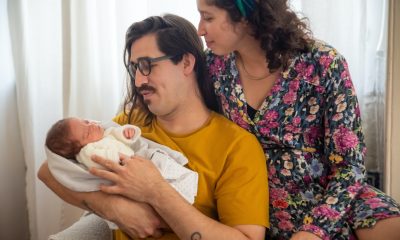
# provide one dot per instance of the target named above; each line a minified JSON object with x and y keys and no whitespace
{"x":188,"y":223}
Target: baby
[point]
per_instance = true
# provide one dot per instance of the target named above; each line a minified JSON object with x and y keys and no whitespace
{"x":79,"y":139}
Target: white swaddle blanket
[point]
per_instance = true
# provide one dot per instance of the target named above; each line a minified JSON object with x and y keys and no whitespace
{"x":75,"y":175}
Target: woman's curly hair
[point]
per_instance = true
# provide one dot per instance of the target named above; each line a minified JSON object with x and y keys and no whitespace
{"x":281,"y":32}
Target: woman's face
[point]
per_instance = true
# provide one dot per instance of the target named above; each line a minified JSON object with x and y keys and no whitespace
{"x":221,"y":35}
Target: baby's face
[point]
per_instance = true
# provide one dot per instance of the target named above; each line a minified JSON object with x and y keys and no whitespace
{"x":85,"y":131}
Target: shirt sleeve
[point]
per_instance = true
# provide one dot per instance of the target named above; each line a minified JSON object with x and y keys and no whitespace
{"x":344,"y":147}
{"x":242,"y":189}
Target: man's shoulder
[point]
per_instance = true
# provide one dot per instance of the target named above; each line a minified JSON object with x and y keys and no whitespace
{"x":227,"y":127}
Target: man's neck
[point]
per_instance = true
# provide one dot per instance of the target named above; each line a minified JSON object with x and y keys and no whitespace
{"x":185,"y":121}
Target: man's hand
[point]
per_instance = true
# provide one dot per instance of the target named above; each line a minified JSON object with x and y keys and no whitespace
{"x":135,"y":177}
{"x":302,"y":235}
{"x":129,"y":133}
{"x":138,"y":220}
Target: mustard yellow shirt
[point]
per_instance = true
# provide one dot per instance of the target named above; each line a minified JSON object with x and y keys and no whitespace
{"x":233,"y":184}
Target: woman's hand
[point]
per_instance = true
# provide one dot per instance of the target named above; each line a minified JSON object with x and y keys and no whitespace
{"x":135,"y":178}
{"x":302,"y":235}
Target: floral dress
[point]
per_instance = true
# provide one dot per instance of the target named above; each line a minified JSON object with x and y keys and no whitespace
{"x":310,"y":129}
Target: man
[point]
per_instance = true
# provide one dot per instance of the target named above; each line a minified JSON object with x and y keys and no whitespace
{"x":168,"y":100}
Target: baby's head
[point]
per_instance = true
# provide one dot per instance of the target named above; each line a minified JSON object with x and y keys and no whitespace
{"x":68,"y":136}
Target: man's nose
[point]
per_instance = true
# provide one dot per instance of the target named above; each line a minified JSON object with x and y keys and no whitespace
{"x":140,"y":79}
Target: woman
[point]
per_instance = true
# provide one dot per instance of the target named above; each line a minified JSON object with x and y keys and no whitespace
{"x":296,"y":96}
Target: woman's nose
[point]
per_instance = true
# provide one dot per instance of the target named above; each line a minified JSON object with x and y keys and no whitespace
{"x":200,"y":30}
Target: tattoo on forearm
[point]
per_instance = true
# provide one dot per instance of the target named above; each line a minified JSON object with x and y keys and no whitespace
{"x":195,"y":236}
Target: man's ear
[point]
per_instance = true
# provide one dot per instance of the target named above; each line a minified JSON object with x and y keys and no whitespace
{"x":188,"y":63}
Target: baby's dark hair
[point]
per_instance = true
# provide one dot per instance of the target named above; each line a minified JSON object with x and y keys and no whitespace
{"x":59,"y":140}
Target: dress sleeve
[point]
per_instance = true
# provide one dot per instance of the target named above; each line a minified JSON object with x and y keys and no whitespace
{"x":344,"y":151}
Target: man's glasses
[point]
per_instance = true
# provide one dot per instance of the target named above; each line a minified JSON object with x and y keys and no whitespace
{"x":144,"y":65}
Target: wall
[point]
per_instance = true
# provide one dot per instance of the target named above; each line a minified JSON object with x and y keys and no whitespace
{"x":392,"y":176}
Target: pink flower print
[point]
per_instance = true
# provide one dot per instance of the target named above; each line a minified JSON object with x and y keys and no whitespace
{"x":272,"y":170}
{"x":357,"y":111}
{"x":292,"y":129}
{"x":296,"y":121}
{"x":282,"y":215}
{"x":238,"y":119}
{"x":381,"y":215}
{"x":280,"y":203}
{"x":314,"y":80}
{"x":271,"y":115}
{"x":348,"y":84}
{"x":326,"y":211}
{"x":288,"y":137}
{"x":309,"y":71}
{"x":344,"y":75}
{"x":311,"y":118}
{"x":369,"y":194}
{"x":300,"y":66}
{"x":277,"y":193}
{"x":325,"y":61}
{"x":265,"y":131}
{"x":289,"y":128}
{"x":375,"y":203}
{"x":273,"y":124}
{"x":319,"y":89}
{"x":286,"y":172}
{"x":276,"y":181}
{"x":307,"y":179}
{"x":344,"y":139}
{"x":354,"y":189}
{"x":285,"y":225}
{"x":337,"y":117}
{"x":217,"y":67}
{"x":276,"y":88}
{"x":289,"y":97}
{"x":311,"y":135}
{"x":294,"y":85}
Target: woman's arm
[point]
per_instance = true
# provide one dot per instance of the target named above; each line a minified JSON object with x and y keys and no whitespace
{"x":143,"y":223}
{"x":184,"y":219}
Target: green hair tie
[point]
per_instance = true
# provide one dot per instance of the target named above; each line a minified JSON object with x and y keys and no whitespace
{"x":239,"y":4}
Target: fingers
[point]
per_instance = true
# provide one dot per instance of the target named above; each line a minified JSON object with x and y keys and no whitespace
{"x":104,"y":174}
{"x":106,"y":163}
{"x":113,"y":189}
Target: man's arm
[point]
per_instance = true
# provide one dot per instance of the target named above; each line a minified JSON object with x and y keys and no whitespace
{"x":143,"y":223}
{"x":184,"y":219}
{"x":197,"y":226}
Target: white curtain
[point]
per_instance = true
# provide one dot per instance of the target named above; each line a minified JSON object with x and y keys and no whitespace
{"x":358,"y":29}
{"x":66,"y":58}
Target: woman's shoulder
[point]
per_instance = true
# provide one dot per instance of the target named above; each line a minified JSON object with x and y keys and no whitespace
{"x":321,"y":50}
{"x":214,"y":59}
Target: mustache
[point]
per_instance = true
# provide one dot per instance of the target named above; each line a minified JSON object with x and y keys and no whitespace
{"x":145,"y":87}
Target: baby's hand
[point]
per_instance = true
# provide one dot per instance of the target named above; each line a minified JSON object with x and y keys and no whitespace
{"x":129,"y":133}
